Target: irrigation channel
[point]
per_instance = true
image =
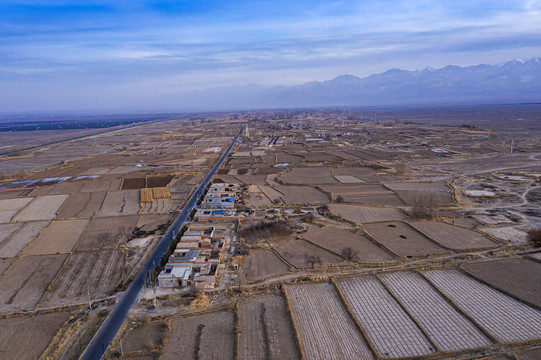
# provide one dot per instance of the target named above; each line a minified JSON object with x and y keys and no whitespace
{"x":107,"y":332}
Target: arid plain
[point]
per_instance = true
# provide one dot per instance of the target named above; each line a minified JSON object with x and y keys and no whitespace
{"x":356,"y":235}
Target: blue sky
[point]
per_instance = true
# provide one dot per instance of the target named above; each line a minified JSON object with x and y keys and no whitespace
{"x":60,"y":55}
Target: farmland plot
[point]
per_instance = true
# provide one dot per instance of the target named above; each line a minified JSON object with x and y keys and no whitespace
{"x":363,"y":193}
{"x":365,"y":214}
{"x":320,"y":156}
{"x":83,"y":204}
{"x":59,"y":237}
{"x":272,"y":194}
{"x":5,"y":264}
{"x":391,"y":331}
{"x":210,"y":336}
{"x":103,"y":233}
{"x":10,"y":207}
{"x":508,"y":234}
{"x":94,"y":171}
{"x":302,"y":195}
{"x":266,"y":331}
{"x":133,"y":183}
{"x":144,"y":336}
{"x":263,"y":263}
{"x":406,"y":190}
{"x":20,"y":239}
{"x":123,"y":202}
{"x":348,"y":179}
{"x":402,"y":240}
{"x":505,"y":318}
{"x":27,"y":337}
{"x":107,"y":185}
{"x":258,"y":199}
{"x":159,"y":181}
{"x":362,"y":173}
{"x":533,"y":354}
{"x":25,"y":282}
{"x":97,"y":272}
{"x":324,"y":327}
{"x":335,"y":240}
{"x":516,"y":276}
{"x":453,"y":237}
{"x":41,"y":208}
{"x":309,"y":176}
{"x":253,"y":179}
{"x":7,"y":229}
{"x":295,"y":252}
{"x":446,"y":327}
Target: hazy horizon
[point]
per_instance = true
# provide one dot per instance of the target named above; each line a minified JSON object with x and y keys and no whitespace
{"x":142,"y":56}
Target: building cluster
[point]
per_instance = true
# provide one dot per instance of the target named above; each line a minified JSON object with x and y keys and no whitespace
{"x":197,"y":256}
{"x":219,"y":203}
{"x":195,"y":261}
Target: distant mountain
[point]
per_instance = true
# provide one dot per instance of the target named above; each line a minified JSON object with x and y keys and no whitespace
{"x":514,"y":81}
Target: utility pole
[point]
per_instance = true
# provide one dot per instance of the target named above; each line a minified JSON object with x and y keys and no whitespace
{"x":88,"y":293}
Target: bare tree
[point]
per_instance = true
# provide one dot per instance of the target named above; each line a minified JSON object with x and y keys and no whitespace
{"x":400,"y":169}
{"x":312,"y":260}
{"x":534,"y":236}
{"x":424,"y":204}
{"x":349,"y":254}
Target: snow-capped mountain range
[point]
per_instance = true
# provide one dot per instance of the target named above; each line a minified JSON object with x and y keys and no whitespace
{"x":511,"y":82}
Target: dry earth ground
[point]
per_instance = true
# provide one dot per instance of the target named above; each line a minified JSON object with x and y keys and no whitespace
{"x":265,"y":330}
{"x":26,"y":337}
{"x":335,"y":240}
{"x":210,"y":336}
{"x":25,"y":282}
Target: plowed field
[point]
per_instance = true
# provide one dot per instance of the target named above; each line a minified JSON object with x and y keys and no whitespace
{"x":336,"y":240}
{"x":402,"y":240}
{"x":83,"y":204}
{"x":26,"y":337}
{"x":263,"y":263}
{"x":324,"y":327}
{"x":25,"y":282}
{"x":210,"y":336}
{"x":266,"y":331}
{"x":103,"y":233}
{"x":96,"y":272}
{"x":59,"y":237}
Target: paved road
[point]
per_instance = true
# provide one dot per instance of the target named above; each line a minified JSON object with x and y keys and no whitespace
{"x":112,"y":324}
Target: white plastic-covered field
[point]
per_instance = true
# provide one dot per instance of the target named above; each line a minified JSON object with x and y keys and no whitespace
{"x":10,"y":207}
{"x":505,"y":318}
{"x":325,"y":329}
{"x":20,"y":239}
{"x":446,"y":327}
{"x":41,"y":208}
{"x":392,"y":333}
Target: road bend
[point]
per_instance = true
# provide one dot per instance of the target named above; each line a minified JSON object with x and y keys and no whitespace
{"x":107,"y":332}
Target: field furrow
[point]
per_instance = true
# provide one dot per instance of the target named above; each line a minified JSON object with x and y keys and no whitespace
{"x":505,"y":318}
{"x":20,"y":239}
{"x":447,"y":328}
{"x":325,"y":329}
{"x":266,"y":332}
{"x":391,"y":331}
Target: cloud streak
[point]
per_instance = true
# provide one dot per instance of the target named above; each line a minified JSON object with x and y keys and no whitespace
{"x":134,"y":46}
